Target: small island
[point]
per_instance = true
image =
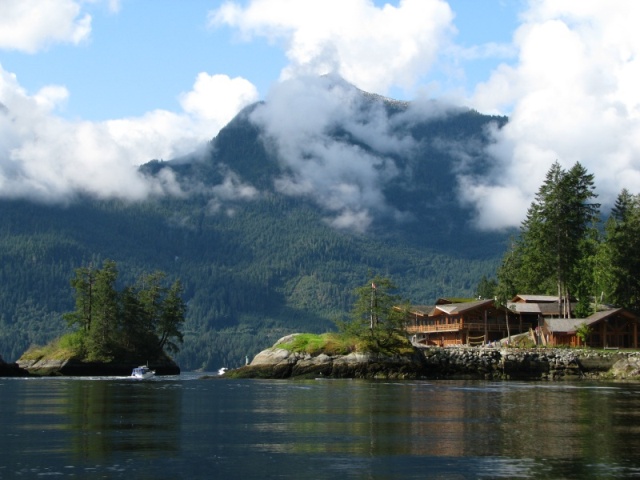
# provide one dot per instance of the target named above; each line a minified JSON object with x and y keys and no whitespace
{"x":310,"y":356}
{"x":377,"y":343}
{"x":113,"y":331}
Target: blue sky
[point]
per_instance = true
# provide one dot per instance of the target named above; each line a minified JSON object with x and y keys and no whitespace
{"x":91,"y":88}
{"x":142,"y":55}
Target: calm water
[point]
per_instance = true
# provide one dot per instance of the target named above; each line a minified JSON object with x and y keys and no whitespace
{"x":182,"y":427}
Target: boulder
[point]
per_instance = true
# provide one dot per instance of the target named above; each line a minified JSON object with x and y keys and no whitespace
{"x":626,"y":369}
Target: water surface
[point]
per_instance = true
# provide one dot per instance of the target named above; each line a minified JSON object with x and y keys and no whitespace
{"x":183,"y":427}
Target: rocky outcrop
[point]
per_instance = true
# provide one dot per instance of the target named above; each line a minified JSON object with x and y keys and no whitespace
{"x":447,"y":363}
{"x":77,"y":368}
{"x":627,"y":368}
{"x":280,"y":363}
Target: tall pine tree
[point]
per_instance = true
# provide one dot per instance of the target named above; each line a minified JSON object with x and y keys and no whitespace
{"x":622,"y":243}
{"x":555,"y":236}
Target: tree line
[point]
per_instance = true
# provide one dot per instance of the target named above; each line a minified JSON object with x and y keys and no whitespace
{"x":564,"y":249}
{"x":138,"y":321}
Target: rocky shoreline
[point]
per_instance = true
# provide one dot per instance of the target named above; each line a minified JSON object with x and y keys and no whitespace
{"x":448,"y":363}
{"x":76,"y":368}
{"x":69,"y":367}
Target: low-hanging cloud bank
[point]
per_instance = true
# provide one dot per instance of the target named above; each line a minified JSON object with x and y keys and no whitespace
{"x":47,"y":158}
{"x":570,"y":92}
{"x":336,"y":145}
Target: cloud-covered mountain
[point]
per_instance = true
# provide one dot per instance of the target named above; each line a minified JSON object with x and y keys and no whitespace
{"x":272,"y":224}
{"x":360,"y":158}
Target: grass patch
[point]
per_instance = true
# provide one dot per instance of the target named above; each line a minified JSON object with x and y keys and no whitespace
{"x":315,"y":344}
{"x":341,"y":344}
{"x":67,"y":346}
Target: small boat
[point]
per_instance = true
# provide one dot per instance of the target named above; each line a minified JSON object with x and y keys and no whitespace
{"x":222,"y":371}
{"x":142,"y":372}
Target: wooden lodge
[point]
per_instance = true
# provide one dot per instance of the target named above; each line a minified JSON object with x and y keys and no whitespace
{"x":468,"y":323}
{"x":481,"y":322}
{"x":613,"y":328}
{"x":610,"y":328}
{"x":534,"y":308}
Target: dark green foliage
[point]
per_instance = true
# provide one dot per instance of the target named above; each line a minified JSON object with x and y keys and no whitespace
{"x":621,"y":253}
{"x":378,"y":317}
{"x":555,"y":244}
{"x":133,"y":324}
{"x":251,"y":271}
{"x":487,"y":288}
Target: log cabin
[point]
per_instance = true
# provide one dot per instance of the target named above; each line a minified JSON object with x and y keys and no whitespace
{"x":613,"y":328}
{"x":462,"y":323}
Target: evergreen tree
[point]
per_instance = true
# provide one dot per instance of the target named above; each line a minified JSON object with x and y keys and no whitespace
{"x":150,"y":295}
{"x":171,"y":318}
{"x":486,"y":288}
{"x":378,"y":317}
{"x":82,"y":283}
{"x":134,"y":329}
{"x":623,"y":252}
{"x":509,"y":276}
{"x":555,"y":236}
{"x":105,"y":307}
{"x":137,"y":322}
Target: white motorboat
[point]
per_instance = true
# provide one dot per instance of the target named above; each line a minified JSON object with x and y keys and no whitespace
{"x":222,"y":371}
{"x":142,"y":372}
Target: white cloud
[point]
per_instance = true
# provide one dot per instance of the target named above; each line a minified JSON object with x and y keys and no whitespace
{"x":231,"y":190}
{"x":373,"y":48}
{"x":300,"y":120}
{"x":31,"y":25}
{"x":46,"y":157}
{"x":217,"y":98}
{"x":572,"y":96}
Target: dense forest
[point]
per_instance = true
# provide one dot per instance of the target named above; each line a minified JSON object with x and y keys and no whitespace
{"x":138,"y":323}
{"x":252,"y":270}
{"x":564,"y":249}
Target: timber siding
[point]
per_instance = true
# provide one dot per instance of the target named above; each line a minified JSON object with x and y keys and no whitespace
{"x":467,"y":323}
{"x":614,"y":328}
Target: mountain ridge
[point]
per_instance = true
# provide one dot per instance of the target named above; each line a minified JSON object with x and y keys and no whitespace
{"x":256,"y":239}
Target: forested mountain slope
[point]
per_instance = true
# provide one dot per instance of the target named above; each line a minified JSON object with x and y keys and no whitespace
{"x":271,"y":230}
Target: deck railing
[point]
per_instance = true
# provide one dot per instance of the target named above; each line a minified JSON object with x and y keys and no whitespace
{"x":469,"y":326}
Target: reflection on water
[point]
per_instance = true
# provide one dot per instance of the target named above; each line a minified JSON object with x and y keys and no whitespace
{"x":182,"y":427}
{"x":90,"y":420}
{"x":554,"y":431}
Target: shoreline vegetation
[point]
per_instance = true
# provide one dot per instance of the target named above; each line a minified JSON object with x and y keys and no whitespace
{"x":304,"y":356}
{"x":332,"y":356}
{"x":558,"y":249}
{"x":112,"y":330}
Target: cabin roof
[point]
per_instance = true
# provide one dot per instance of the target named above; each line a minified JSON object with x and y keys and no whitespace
{"x":570,"y":325}
{"x":456,"y":308}
{"x":563,"y":325}
{"x":451,"y":300}
{"x":525,"y":307}
{"x":524,"y":298}
{"x":422,"y":309}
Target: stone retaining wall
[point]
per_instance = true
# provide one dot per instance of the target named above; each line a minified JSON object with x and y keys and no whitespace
{"x":449,"y":363}
{"x":550,"y":364}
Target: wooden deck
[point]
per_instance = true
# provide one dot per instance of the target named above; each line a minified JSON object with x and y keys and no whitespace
{"x":468,"y":326}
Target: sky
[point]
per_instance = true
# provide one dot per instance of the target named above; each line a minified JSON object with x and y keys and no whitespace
{"x":90,"y":89}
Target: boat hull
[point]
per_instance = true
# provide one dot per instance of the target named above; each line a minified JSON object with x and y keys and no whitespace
{"x":142,"y":373}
